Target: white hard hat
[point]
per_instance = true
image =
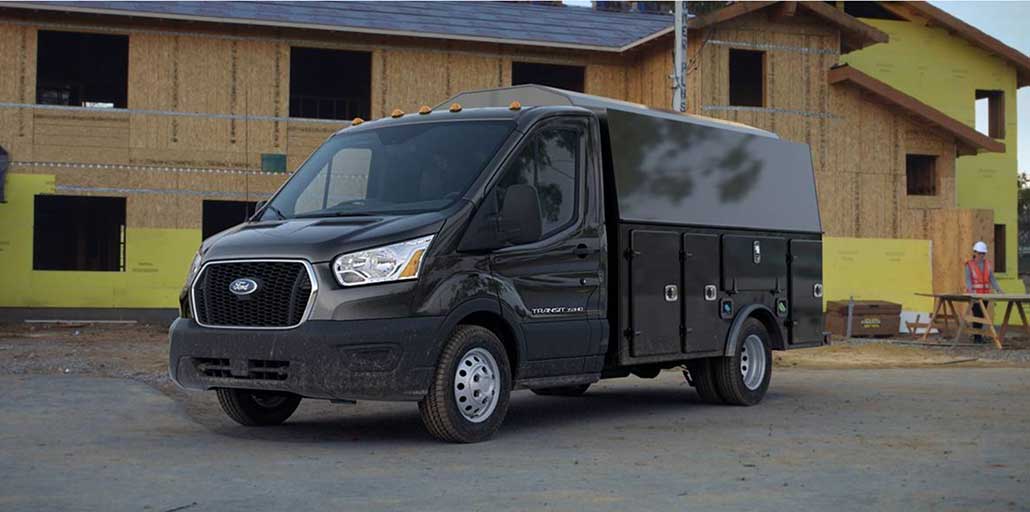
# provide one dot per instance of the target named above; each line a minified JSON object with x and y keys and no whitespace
{"x":980,"y":247}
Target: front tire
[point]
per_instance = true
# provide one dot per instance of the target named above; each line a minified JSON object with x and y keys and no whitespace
{"x":257,"y":408}
{"x":468,"y":398}
{"x":743,"y":378}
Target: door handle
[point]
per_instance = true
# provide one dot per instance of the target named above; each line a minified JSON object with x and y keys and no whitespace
{"x":582,"y":251}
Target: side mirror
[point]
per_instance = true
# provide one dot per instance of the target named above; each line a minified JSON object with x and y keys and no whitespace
{"x":520,"y":221}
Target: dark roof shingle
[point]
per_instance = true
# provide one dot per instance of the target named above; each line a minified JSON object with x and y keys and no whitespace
{"x":517,"y":23}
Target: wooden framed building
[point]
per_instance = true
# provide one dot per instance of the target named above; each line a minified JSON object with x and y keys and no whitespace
{"x":198,"y":110}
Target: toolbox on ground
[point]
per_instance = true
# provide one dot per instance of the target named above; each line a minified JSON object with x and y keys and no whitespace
{"x":868,"y":318}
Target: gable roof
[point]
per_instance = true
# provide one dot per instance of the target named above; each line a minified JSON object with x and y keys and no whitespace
{"x":495,"y":22}
{"x":933,"y":16}
{"x":856,"y":34}
{"x":969,"y":141}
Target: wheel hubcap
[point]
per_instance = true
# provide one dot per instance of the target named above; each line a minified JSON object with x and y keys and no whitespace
{"x":752,"y":362}
{"x":475,"y":385}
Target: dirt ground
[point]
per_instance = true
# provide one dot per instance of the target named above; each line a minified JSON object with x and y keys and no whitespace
{"x":91,"y":422}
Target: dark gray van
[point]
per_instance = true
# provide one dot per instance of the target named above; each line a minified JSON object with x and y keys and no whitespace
{"x":524,"y":237}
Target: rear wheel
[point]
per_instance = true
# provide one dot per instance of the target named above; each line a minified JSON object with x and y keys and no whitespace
{"x":743,"y":378}
{"x":576,"y":390}
{"x":257,"y":408}
{"x":700,"y":374}
{"x":468,"y":398}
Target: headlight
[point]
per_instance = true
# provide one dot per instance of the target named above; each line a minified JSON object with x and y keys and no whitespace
{"x":394,"y":262}
{"x":194,"y":268}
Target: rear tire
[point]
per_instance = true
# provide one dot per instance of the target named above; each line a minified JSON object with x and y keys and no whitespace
{"x":468,"y":398}
{"x":743,"y":378}
{"x":257,"y":408}
{"x":702,"y":377}
{"x":576,"y":390}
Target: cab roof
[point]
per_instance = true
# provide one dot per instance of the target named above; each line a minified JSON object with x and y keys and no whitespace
{"x":541,"y":95}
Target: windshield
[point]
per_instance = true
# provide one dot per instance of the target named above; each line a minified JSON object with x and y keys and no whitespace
{"x":399,"y":169}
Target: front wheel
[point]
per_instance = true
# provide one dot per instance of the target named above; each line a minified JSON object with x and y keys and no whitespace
{"x":468,"y":398}
{"x":743,"y":378}
{"x":257,"y":408}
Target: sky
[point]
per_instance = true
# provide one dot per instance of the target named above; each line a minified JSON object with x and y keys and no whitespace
{"x":1009,"y":22}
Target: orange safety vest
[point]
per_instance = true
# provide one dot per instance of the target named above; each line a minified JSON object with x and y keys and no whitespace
{"x":981,"y":281}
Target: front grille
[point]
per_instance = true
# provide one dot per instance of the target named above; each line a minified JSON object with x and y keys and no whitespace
{"x":280,"y":299}
{"x":255,"y":369}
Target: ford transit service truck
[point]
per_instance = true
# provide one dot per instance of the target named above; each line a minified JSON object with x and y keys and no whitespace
{"x":524,"y":237}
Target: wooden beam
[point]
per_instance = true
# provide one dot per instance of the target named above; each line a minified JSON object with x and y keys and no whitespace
{"x":727,"y":13}
{"x":968,"y":139}
{"x":858,"y":33}
{"x":783,"y":10}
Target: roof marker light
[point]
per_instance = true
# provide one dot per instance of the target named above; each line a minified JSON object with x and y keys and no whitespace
{"x":424,"y":109}
{"x":357,"y":121}
{"x":515,"y":105}
{"x":396,"y":113}
{"x":455,"y":107}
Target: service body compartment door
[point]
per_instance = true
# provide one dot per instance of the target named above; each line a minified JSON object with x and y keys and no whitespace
{"x":654,"y":281}
{"x":700,"y":306}
{"x":806,"y":278}
{"x":754,"y":263}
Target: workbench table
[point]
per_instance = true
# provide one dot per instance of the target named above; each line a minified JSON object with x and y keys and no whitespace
{"x":944,"y":310}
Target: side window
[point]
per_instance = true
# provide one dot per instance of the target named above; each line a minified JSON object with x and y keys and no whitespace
{"x":551,"y":161}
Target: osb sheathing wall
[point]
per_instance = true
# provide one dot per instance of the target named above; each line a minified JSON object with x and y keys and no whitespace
{"x":239,"y":71}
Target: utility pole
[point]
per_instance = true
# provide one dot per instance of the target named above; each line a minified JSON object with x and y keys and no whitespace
{"x":679,"y":72}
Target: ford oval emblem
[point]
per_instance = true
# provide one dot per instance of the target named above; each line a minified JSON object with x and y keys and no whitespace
{"x":243,"y":286}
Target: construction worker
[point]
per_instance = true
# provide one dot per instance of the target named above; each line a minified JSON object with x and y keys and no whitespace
{"x":980,"y":279}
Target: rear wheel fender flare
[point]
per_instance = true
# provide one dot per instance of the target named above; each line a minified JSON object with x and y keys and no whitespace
{"x":758,"y":311}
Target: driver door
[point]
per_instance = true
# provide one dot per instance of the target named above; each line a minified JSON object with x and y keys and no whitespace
{"x":554,"y":283}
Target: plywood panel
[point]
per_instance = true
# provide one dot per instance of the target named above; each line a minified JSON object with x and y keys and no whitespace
{"x":953,"y":233}
{"x":414,"y":78}
{"x":261,"y":185}
{"x":606,"y":80}
{"x":150,"y":209}
{"x":303,"y":138}
{"x":17,"y":85}
{"x":466,"y":72}
{"x":836,"y":205}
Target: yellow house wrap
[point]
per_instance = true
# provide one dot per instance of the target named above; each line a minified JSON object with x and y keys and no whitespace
{"x":155,"y":266}
{"x":879,"y":268}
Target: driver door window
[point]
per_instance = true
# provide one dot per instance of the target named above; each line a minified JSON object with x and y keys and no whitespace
{"x":550,"y":161}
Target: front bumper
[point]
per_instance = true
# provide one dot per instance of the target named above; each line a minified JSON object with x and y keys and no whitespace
{"x":391,"y":359}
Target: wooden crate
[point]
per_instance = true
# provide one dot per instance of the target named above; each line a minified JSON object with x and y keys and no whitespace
{"x":868,"y":318}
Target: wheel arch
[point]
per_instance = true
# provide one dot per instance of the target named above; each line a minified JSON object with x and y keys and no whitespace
{"x":485,"y":313}
{"x":763,"y":314}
